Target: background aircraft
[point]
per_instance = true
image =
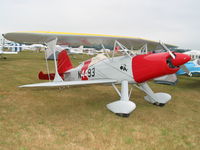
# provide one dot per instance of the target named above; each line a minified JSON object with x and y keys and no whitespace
{"x":5,"y":52}
{"x":194,"y":54}
{"x":3,"y":46}
{"x":193,"y":67}
{"x":78,"y":50}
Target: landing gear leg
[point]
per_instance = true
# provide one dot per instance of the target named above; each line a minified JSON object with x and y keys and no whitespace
{"x":158,"y":99}
{"x":124,"y":106}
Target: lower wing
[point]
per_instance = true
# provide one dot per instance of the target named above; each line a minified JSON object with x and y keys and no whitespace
{"x":67,"y":83}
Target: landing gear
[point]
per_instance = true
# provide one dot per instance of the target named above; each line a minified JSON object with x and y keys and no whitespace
{"x":122,"y":115}
{"x":159,"y":104}
{"x":124,"y":106}
{"x":158,"y":99}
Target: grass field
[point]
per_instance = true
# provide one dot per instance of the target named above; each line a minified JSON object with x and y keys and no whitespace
{"x":76,"y":118}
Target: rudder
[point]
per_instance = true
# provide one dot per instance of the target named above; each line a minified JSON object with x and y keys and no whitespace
{"x":64,"y":62}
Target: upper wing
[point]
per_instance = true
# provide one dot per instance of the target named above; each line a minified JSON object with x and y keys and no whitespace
{"x":77,"y":39}
{"x":67,"y":83}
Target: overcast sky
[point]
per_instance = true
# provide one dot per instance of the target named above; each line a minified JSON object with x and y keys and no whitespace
{"x":171,"y":21}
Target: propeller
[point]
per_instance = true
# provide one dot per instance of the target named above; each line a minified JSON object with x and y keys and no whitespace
{"x":184,"y":68}
{"x":167,"y":49}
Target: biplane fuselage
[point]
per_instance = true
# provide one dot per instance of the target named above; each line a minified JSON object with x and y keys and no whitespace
{"x":101,"y":67}
{"x":137,"y":69}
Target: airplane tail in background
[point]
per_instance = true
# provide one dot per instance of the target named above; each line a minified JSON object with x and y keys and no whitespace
{"x":64,"y":64}
{"x":81,"y":47}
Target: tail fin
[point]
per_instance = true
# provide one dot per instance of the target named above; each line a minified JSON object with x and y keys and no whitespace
{"x":63,"y":65}
{"x":64,"y":62}
{"x":81,"y":47}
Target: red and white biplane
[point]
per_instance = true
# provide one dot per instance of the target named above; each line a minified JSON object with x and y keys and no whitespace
{"x":105,"y":69}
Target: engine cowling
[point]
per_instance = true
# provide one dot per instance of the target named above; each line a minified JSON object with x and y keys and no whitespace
{"x":149,"y":66}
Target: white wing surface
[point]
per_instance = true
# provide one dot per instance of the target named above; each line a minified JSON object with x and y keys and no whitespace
{"x":67,"y":83}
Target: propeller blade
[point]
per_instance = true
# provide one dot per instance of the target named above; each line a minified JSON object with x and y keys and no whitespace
{"x":167,"y":49}
{"x":184,"y":68}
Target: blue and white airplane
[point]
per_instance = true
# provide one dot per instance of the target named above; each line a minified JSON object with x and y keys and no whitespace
{"x":2,"y":46}
{"x":193,"y":67}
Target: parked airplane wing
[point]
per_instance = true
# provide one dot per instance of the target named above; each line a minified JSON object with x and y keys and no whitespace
{"x":3,"y":52}
{"x":67,"y":83}
{"x":77,"y":39}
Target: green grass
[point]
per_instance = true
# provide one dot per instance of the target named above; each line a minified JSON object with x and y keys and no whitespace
{"x":76,"y":118}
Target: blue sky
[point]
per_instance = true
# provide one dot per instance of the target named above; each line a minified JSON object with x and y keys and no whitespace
{"x":172,"y":21}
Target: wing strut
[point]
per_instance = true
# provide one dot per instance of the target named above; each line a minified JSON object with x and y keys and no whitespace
{"x":144,"y":49}
{"x":105,"y":51}
{"x":47,"y":65}
{"x":51,"y":45}
{"x":123,"y":48}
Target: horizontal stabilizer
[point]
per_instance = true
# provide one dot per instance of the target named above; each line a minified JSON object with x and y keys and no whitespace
{"x":43,"y":76}
{"x":50,"y":76}
{"x":67,"y":83}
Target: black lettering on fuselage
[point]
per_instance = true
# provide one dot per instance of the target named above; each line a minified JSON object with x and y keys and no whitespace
{"x":91,"y":72}
{"x":79,"y":74}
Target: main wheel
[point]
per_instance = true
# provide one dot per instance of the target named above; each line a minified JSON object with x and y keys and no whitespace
{"x":122,"y":115}
{"x":159,"y":104}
